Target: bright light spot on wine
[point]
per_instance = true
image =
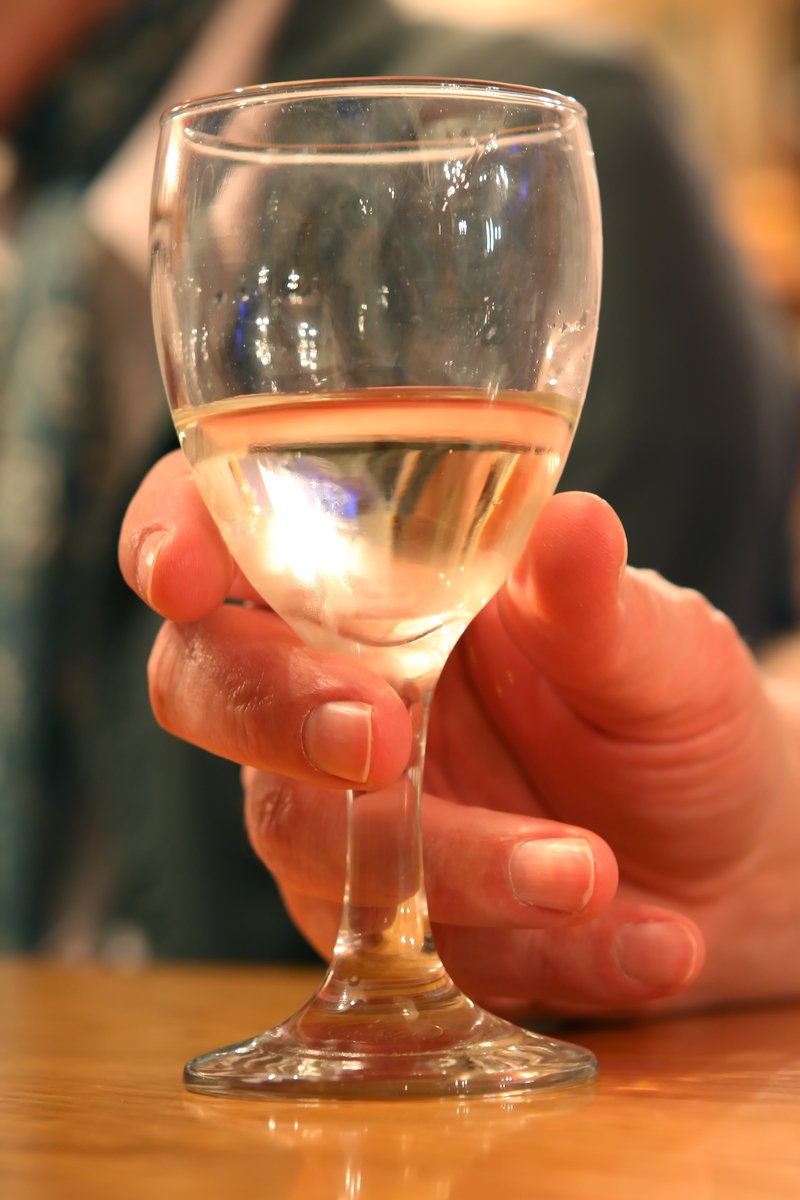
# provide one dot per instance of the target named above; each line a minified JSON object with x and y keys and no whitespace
{"x":462,"y":226}
{"x":308,"y":546}
{"x":292,"y":281}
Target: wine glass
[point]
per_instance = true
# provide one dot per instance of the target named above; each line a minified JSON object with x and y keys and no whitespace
{"x":376,"y":304}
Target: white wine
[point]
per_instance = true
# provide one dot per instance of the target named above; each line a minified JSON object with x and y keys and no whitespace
{"x":378,"y":522}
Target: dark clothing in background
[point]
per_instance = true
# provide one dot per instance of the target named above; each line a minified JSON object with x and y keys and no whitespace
{"x":689,"y":431}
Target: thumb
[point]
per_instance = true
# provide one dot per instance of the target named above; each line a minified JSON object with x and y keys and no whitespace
{"x":563,"y":603}
{"x":623,"y":646}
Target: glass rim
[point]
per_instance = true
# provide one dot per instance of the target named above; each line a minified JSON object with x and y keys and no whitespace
{"x":375,"y":85}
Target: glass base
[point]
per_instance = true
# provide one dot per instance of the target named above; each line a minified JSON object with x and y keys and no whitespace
{"x":447,"y":1046}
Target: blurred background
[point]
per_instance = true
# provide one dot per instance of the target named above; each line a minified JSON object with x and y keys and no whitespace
{"x":733,"y":67}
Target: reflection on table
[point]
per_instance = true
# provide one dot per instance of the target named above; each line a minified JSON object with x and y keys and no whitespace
{"x":701,"y":1108}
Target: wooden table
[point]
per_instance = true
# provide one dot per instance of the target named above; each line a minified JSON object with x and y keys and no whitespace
{"x":91,"y":1105}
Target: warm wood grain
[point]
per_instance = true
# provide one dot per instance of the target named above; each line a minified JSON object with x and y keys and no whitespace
{"x":91,"y":1105}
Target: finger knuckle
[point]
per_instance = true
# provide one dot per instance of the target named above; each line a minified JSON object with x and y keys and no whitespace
{"x":269,"y":816}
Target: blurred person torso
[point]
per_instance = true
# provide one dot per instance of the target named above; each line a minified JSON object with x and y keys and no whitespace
{"x":115,"y":838}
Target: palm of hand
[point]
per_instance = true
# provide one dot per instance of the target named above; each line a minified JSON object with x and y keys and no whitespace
{"x":614,"y":702}
{"x":673,"y":781}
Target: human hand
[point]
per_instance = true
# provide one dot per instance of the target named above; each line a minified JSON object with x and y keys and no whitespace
{"x":585,"y":695}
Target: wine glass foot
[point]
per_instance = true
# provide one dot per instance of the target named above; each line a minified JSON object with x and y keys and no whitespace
{"x":494,"y":1058}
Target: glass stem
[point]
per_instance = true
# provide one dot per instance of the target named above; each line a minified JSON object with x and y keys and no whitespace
{"x":384,"y":939}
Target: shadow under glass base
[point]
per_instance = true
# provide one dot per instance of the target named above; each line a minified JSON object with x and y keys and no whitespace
{"x":352,"y":1047}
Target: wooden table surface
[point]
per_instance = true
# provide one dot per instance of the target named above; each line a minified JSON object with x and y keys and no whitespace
{"x":91,"y":1105}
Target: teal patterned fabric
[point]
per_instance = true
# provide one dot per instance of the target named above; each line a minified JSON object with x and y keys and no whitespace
{"x":52,"y":426}
{"x":47,"y":442}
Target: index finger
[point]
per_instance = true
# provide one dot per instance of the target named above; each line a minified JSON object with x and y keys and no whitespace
{"x":170,"y":551}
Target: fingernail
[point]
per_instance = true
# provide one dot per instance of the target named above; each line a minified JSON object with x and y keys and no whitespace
{"x":658,"y":955}
{"x":145,"y":561}
{"x":554,"y":873}
{"x":337,"y":739}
